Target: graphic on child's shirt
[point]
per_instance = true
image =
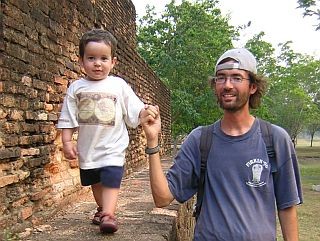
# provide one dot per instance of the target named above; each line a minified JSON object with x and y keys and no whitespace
{"x":96,"y":108}
{"x":257,"y":166}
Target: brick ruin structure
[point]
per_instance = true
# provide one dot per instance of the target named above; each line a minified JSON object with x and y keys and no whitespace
{"x":39,"y":58}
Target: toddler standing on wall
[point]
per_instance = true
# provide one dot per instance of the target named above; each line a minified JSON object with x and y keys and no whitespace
{"x":99,"y":106}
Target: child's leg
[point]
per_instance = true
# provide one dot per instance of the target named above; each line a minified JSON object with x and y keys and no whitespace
{"x":111,"y":179}
{"x":109,"y":199}
{"x":91,"y":178}
{"x":97,"y":193}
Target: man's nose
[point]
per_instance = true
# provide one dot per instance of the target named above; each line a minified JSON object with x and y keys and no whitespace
{"x":227,"y":83}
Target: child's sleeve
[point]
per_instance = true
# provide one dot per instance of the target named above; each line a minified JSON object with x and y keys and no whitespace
{"x":132,"y":107}
{"x":68,"y":115}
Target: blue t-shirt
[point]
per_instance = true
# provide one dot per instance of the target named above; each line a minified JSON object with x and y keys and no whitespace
{"x":240,"y":195}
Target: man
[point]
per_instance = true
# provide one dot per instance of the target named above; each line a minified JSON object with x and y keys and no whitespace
{"x":242,"y":194}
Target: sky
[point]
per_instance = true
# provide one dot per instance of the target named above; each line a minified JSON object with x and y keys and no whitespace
{"x":280,"y":20}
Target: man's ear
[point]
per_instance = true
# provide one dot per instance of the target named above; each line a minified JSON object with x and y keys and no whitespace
{"x":253,"y":88}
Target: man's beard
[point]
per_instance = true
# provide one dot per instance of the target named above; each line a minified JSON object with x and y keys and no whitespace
{"x":236,"y":105}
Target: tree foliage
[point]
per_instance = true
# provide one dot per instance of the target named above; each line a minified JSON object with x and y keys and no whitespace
{"x":181,"y":46}
{"x":311,"y":8}
{"x":294,"y":86}
{"x":313,"y":123}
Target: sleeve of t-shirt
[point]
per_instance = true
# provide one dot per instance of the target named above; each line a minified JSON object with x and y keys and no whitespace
{"x":287,"y":181}
{"x":68,"y":115}
{"x":132,"y":105}
{"x":183,"y":176}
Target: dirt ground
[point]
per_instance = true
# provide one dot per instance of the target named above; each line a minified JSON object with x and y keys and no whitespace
{"x":137,"y":216}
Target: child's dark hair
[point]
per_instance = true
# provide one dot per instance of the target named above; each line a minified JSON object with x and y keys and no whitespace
{"x":98,"y":35}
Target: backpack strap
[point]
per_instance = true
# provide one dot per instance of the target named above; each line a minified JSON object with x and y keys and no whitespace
{"x":205,"y":145}
{"x":266,"y":132}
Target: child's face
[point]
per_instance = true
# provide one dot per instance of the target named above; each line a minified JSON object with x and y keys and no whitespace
{"x":97,"y":60}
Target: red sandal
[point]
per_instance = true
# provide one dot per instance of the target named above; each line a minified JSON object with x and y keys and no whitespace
{"x":108,"y":223}
{"x":97,"y":215}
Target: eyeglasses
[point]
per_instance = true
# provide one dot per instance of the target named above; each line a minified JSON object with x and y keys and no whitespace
{"x":234,"y":79}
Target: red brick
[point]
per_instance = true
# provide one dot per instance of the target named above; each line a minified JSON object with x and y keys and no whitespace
{"x":26,"y":212}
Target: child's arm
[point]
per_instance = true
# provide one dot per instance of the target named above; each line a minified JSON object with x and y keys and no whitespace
{"x":149,"y":110}
{"x":69,"y":149}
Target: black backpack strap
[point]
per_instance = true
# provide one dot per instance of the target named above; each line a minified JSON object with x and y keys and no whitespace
{"x":266,"y":131}
{"x":205,"y":145}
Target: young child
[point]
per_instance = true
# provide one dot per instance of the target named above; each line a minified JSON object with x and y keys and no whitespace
{"x":99,"y":106}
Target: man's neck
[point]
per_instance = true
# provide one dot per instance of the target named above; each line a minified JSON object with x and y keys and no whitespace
{"x":236,"y":123}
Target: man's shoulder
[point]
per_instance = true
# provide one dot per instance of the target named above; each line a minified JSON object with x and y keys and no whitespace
{"x":278,"y":132}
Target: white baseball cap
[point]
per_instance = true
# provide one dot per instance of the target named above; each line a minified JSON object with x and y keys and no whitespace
{"x":243,"y":57}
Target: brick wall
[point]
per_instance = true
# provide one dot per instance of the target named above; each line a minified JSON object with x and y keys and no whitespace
{"x":39,"y":57}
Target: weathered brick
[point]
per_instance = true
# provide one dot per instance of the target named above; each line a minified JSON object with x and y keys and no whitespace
{"x":11,"y":140}
{"x":7,"y":100}
{"x":13,"y":178}
{"x":22,"y":6}
{"x":52,"y":116}
{"x":26,"y":212}
{"x":3,"y":113}
{"x":60,"y":80}
{"x":12,"y":12}
{"x":12,"y":128}
{"x":6,"y":180}
{"x":16,"y":115}
{"x":30,"y":128}
{"x":20,"y":202}
{"x":38,"y":84}
{"x":30,"y":115}
{"x":10,"y":152}
{"x":31,"y":140}
{"x":30,"y":152}
{"x":26,"y":80}
{"x":35,"y":162}
{"x":37,"y":195}
{"x":42,"y":116}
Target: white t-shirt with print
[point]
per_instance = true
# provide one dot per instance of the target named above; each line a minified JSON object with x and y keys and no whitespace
{"x":101,"y":110}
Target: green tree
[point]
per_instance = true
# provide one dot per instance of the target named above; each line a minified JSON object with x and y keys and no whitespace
{"x":182,"y":46}
{"x":266,"y":61}
{"x":291,"y":94}
{"x":313,"y":124}
{"x":311,"y":8}
{"x":293,"y":85}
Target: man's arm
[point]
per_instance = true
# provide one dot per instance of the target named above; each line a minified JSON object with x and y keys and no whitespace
{"x":151,"y":123}
{"x":161,"y":193}
{"x":289,"y":223}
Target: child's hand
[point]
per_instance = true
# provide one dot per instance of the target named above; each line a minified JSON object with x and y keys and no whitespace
{"x":150,"y":121}
{"x":70,"y":150}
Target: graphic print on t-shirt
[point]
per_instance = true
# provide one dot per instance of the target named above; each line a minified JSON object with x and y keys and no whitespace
{"x":256,"y":168}
{"x":96,"y":108}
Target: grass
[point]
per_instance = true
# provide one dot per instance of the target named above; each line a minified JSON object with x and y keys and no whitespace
{"x":7,"y":235}
{"x":309,"y":211}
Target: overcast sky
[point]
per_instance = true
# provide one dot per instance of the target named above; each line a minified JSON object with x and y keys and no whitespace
{"x":279,"y":19}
